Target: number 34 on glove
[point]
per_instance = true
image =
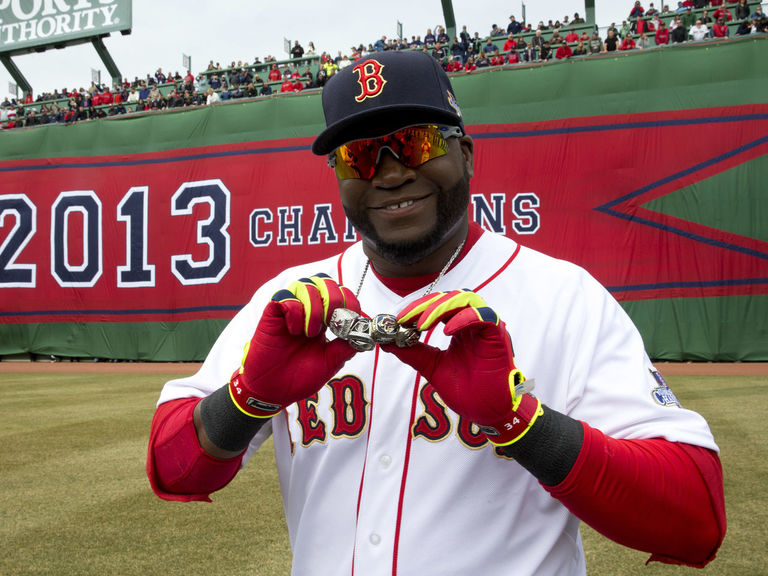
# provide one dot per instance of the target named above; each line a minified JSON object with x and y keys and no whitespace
{"x":476,"y":375}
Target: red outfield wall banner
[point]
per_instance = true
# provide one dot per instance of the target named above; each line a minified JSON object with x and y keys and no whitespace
{"x":188,"y":234}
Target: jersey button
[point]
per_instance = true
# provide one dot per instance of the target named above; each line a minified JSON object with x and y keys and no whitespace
{"x":385,"y":461}
{"x":375,"y":539}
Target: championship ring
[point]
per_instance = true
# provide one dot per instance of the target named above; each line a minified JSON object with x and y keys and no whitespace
{"x":360,"y":337}
{"x":384,"y":328}
{"x":341,"y":322}
{"x":364,"y":333}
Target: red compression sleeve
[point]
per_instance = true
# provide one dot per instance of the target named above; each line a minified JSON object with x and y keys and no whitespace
{"x":653,"y":495}
{"x":177,"y":466}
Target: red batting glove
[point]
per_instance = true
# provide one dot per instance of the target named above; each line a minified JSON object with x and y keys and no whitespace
{"x":476,"y":376}
{"x":289,"y":358}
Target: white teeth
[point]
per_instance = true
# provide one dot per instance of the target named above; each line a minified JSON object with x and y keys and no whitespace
{"x":401,"y":205}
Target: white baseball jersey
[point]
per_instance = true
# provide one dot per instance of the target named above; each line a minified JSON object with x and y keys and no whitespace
{"x":379,"y":477}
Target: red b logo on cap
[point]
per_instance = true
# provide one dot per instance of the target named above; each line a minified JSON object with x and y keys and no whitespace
{"x":370,"y":79}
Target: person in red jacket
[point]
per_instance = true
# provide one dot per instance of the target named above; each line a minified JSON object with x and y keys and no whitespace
{"x":723,"y":13}
{"x":510,"y":44}
{"x":662,"y":34}
{"x":628,"y":43}
{"x":287,"y":85}
{"x":563,"y":51}
{"x":720,"y":29}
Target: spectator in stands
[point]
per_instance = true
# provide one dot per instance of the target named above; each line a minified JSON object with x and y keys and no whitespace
{"x":742,"y":10}
{"x":514,"y":26}
{"x":442,"y":37}
{"x":453,"y":65}
{"x":699,"y":4}
{"x":637,"y":10}
{"x":470,"y":65}
{"x":577,"y":19}
{"x":758,"y":13}
{"x":556,"y":39}
{"x":188,"y":81}
{"x":688,"y":18}
{"x":580,"y":49}
{"x":160,"y":77}
{"x":628,"y":43}
{"x":381,"y":44}
{"x":489,"y":47}
{"x":538,"y":41}
{"x":723,"y":13}
{"x":530,"y":53}
{"x":675,"y":23}
{"x":643,"y":42}
{"x":330,"y":67}
{"x":679,"y":34}
{"x":477,"y":43}
{"x":143,"y":91}
{"x":572,"y":36}
{"x":513,"y":57}
{"x":470,"y":52}
{"x":465,"y":38}
{"x":439,"y":52}
{"x":497,"y":59}
{"x":496,"y":31}
{"x":510,"y":44}
{"x":662,"y":34}
{"x":264,"y":88}
{"x":457,"y":50}
{"x":546,"y":51}
{"x":611,"y":42}
{"x":563,"y":51}
{"x":429,"y":38}
{"x":651,"y":10}
{"x":482,"y":60}
{"x":212,"y":97}
{"x":287,"y":85}
{"x":595,"y":44}
{"x":297,"y":50}
{"x":720,"y":29}
{"x":699,"y":31}
{"x":175,"y":99}
{"x":746,"y":27}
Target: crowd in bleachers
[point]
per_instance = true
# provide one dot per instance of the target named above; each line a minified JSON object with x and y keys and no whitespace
{"x":517,"y":43}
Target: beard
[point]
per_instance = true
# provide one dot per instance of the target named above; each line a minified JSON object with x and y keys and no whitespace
{"x":452,"y":206}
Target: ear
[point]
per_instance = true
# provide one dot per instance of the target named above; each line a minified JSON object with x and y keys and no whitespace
{"x":467,"y":150}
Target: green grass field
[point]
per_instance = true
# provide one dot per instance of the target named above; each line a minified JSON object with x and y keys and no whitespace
{"x":74,"y":498}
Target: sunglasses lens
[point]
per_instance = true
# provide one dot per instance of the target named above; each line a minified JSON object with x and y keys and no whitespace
{"x":412,"y":146}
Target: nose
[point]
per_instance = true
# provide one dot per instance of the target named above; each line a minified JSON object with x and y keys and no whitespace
{"x":390,"y":172}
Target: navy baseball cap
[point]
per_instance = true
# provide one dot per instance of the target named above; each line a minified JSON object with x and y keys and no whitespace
{"x":382,"y":93}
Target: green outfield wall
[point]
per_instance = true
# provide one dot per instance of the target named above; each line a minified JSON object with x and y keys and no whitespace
{"x":139,"y":236}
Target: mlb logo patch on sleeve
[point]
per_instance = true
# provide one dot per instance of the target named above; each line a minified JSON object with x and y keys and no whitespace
{"x":662,"y":393}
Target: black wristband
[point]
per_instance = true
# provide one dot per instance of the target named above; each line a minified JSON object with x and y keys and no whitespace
{"x":550,"y":448}
{"x":225,"y":426}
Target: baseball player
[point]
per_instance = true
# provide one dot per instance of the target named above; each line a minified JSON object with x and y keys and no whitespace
{"x":442,"y":399}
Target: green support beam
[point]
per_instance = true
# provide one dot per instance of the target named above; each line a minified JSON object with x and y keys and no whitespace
{"x":106,"y":57}
{"x":13,"y":70}
{"x":450,"y":19}
{"x":589,"y":9}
